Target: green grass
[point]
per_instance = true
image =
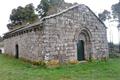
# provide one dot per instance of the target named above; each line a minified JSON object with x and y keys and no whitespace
{"x":13,"y":69}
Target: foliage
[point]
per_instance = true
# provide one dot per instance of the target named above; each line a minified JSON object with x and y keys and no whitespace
{"x":30,"y":13}
{"x":53,"y":64}
{"x":56,"y":2}
{"x":114,"y":55}
{"x":45,"y":5}
{"x":14,"y":69}
{"x":27,"y":14}
{"x":73,"y":61}
{"x":104,"y":15}
{"x":116,"y":11}
{"x":23,"y":15}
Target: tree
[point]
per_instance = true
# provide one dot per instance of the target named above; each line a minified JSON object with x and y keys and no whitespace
{"x":56,"y":2}
{"x":45,"y":5}
{"x":1,"y":39}
{"x":116,"y":12}
{"x":23,"y":15}
{"x":30,"y":15}
{"x":16,"y":15}
{"x":105,"y":15}
{"x":116,"y":15}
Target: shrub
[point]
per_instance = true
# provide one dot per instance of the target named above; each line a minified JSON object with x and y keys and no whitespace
{"x":53,"y":63}
{"x":114,"y":55}
{"x":41,"y":63}
{"x":73,"y":61}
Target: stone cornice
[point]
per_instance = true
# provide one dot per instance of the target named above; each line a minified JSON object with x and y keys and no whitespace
{"x":24,"y":29}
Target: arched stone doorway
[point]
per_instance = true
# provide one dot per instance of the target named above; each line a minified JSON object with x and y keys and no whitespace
{"x":84,"y":45}
{"x":16,"y":51}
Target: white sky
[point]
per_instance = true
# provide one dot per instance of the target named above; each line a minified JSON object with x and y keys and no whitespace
{"x":96,"y":5}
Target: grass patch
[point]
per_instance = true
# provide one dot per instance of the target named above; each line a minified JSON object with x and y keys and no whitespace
{"x":13,"y":69}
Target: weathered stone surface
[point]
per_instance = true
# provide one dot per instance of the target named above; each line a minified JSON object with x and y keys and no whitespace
{"x":59,"y":37}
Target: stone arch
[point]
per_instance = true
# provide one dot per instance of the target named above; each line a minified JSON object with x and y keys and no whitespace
{"x":85,"y":35}
{"x":83,"y":30}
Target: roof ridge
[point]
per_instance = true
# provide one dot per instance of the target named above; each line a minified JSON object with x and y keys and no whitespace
{"x":63,"y":11}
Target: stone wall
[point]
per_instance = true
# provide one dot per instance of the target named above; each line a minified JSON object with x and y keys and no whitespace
{"x":1,"y":44}
{"x":29,"y":45}
{"x":62,"y":33}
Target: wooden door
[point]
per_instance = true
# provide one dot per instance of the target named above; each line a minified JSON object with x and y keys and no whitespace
{"x":80,"y":50}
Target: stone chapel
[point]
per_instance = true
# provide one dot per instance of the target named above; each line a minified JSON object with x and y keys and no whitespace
{"x":71,"y":32}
